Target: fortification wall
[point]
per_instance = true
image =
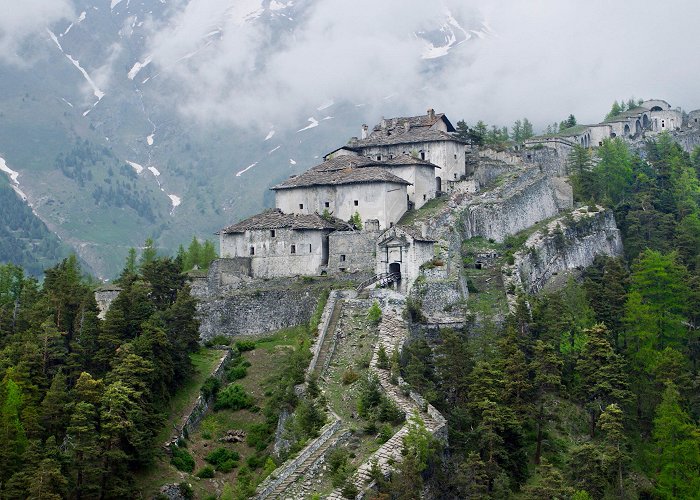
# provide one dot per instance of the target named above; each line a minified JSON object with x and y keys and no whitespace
{"x":256,"y":311}
{"x":350,"y":251}
{"x":522,"y":203}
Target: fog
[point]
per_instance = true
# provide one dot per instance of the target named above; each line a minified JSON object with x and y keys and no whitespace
{"x":537,"y":59}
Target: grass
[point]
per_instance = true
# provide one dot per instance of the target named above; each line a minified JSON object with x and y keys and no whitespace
{"x":264,"y":361}
{"x":432,"y":207}
{"x":204,"y":362}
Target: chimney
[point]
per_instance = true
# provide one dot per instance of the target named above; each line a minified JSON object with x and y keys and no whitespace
{"x":364,"y":133}
{"x":431,"y":113}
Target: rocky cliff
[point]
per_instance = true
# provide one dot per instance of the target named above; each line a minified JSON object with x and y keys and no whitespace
{"x":566,"y":243}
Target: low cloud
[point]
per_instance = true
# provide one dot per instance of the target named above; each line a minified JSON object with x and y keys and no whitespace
{"x":541,"y":59}
{"x":21,"y":23}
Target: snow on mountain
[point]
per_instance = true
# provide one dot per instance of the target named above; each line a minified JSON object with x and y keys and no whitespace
{"x":175,"y":200}
{"x":138,"y":66}
{"x":154,"y":171}
{"x":269,"y":135}
{"x":439,"y":42}
{"x":95,"y":89}
{"x":241,"y":172}
{"x":313,"y":123}
{"x":13,"y":177}
{"x":135,"y":166}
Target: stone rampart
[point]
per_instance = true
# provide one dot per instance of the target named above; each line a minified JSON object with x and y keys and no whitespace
{"x":190,"y":421}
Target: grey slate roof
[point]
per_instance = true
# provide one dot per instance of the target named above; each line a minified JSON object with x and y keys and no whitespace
{"x":274,"y":218}
{"x":399,"y":135}
{"x":403,"y":160}
{"x":344,"y":169}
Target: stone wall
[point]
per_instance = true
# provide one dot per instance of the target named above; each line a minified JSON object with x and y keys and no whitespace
{"x":349,"y":251}
{"x":256,"y":311}
{"x":516,"y":206}
{"x":570,"y":242}
{"x":194,"y":416}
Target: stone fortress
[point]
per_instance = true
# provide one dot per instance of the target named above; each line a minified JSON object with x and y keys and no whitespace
{"x":418,"y":192}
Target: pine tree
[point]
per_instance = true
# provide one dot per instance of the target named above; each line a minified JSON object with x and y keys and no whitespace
{"x":547,"y":368}
{"x":54,"y":405}
{"x":611,"y":423}
{"x":148,"y":254}
{"x":677,"y":442}
{"x":528,"y":131}
{"x":602,"y":373}
{"x":208,"y":255}
{"x":193,"y":255}
{"x":13,"y":440}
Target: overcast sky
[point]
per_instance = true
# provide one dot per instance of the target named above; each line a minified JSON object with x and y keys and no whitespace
{"x":541,"y":59}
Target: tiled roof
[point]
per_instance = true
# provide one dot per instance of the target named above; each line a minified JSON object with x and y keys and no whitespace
{"x":402,"y":160}
{"x":274,"y":218}
{"x":342,"y":170}
{"x":400,"y":135}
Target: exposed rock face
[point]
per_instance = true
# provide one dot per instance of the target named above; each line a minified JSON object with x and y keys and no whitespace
{"x":513,"y":207}
{"x":571,"y":242}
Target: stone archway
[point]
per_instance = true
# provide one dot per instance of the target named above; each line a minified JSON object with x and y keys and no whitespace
{"x":627,"y":129}
{"x":637,"y":127}
{"x":646,"y":123}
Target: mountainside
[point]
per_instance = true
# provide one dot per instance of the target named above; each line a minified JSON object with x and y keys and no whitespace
{"x":106,"y":156}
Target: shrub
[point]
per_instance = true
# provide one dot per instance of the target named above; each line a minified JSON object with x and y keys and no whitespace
{"x":245,"y":345}
{"x":349,"y":490}
{"x":349,"y":376}
{"x":218,"y":340}
{"x":210,"y":387}
{"x":374,"y":314}
{"x":382,"y":358}
{"x":206,"y":472}
{"x":186,"y":490}
{"x":259,"y":436}
{"x":223,"y":459}
{"x":385,"y":433}
{"x":388,"y":411}
{"x":236,"y":372}
{"x":255,"y":461}
{"x":233,"y":397}
{"x":337,"y":458}
{"x":181,"y":459}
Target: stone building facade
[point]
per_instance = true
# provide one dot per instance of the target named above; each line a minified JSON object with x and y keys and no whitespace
{"x":344,"y":186}
{"x":427,"y":137}
{"x":403,"y":250}
{"x":279,"y":244}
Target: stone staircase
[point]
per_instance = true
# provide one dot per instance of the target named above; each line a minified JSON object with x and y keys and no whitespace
{"x":288,"y":473}
{"x":392,"y":334}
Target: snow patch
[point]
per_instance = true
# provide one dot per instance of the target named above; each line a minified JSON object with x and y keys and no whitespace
{"x":149,"y":140}
{"x":243,"y":11}
{"x":273,"y":150}
{"x":82,"y":17}
{"x":241,"y":172}
{"x":326,"y":105}
{"x":175,"y":200}
{"x":328,"y":117}
{"x":313,"y":123}
{"x":114,"y":4}
{"x":138,"y":66}
{"x":275,"y":5}
{"x":292,"y":162}
{"x":13,"y":175}
{"x":95,"y":89}
{"x":270,"y":134}
{"x":67,"y":29}
{"x":135,"y":166}
{"x":66,"y":102}
{"x":154,"y":171}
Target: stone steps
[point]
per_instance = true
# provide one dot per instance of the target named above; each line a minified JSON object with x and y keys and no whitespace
{"x":279,"y":491}
{"x":327,"y":348}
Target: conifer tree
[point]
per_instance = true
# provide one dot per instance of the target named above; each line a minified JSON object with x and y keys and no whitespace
{"x":611,"y":423}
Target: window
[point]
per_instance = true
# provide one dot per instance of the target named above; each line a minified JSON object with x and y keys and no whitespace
{"x":341,"y":269}
{"x":272,"y":233}
{"x":252,"y":250}
{"x":424,"y":196}
{"x":356,"y":202}
{"x":379,"y":157}
{"x":294,"y":249}
{"x":309,"y":247}
{"x":327,"y":204}
{"x":391,"y":224}
{"x":455,"y":156}
{"x":391,"y":156}
{"x":342,"y":258}
{"x":301,"y":206}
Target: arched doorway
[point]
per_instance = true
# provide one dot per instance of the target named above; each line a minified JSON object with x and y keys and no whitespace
{"x":656,"y":108}
{"x":637,"y":127}
{"x":395,"y":267}
{"x":645,"y":121}
{"x":438,"y":184}
{"x":627,"y":129}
